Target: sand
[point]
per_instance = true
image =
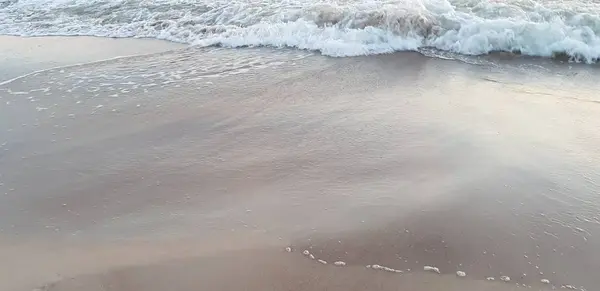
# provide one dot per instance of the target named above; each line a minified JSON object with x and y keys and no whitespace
{"x":22,"y":55}
{"x":196,"y":169}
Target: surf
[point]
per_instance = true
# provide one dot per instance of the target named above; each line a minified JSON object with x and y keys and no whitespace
{"x":565,"y":30}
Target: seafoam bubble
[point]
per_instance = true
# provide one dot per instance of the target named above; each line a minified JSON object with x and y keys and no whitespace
{"x":545,"y":281}
{"x":461,"y":274}
{"x":490,"y":278}
{"x":384,"y":268}
{"x":505,"y":278}
{"x":306,"y":252}
{"x":339,"y":263}
{"x":322,"y":262}
{"x":288,"y":249}
{"x":431,"y":269}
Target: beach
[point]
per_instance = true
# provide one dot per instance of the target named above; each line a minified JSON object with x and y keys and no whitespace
{"x":212,"y":168}
{"x":21,"y":56}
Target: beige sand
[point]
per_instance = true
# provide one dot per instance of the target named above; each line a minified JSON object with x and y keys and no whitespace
{"x":199,"y":180}
{"x":220,"y":265}
{"x":20,"y":55}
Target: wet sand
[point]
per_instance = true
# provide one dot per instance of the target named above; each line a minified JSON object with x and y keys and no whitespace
{"x":195,"y":169}
{"x":22,"y":55}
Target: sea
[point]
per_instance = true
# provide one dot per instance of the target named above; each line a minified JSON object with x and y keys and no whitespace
{"x":566,"y":29}
{"x":299,"y":145}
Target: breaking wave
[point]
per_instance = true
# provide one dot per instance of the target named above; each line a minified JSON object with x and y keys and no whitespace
{"x":566,"y":29}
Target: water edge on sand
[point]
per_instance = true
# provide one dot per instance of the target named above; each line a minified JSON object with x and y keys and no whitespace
{"x":399,"y":161}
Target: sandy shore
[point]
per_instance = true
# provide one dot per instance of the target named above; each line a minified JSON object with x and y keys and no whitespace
{"x":218,"y":265}
{"x":196,"y":169}
{"x":20,"y":55}
{"x":264,"y":270}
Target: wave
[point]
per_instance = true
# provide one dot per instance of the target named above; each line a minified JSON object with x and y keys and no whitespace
{"x":565,"y":29}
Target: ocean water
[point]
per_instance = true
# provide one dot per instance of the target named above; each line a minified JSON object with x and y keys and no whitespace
{"x":546,"y":28}
{"x":383,"y":166}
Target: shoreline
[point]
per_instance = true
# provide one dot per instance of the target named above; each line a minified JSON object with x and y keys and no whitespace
{"x":21,"y":56}
{"x":181,"y":265}
{"x":24,"y":55}
{"x":400,"y":160}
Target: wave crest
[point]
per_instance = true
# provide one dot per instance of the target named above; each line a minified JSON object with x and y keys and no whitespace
{"x":341,"y":28}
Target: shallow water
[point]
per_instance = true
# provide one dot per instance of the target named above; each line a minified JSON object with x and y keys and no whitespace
{"x":20,"y":56}
{"x":399,"y":160}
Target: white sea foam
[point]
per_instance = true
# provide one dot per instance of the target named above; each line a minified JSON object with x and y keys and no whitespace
{"x":432,"y":269}
{"x":336,"y":28}
{"x":384,"y":268}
